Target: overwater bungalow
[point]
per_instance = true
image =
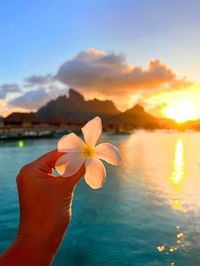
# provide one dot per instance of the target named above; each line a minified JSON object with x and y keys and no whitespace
{"x":1,"y":121}
{"x":21,"y":120}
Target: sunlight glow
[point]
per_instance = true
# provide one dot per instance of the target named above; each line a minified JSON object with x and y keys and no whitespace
{"x":181,"y":112}
{"x":178,"y":174}
{"x":178,"y":167}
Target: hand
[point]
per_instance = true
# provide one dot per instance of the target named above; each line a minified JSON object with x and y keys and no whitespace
{"x":45,"y":212}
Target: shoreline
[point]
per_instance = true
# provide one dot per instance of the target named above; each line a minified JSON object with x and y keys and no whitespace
{"x":15,"y":134}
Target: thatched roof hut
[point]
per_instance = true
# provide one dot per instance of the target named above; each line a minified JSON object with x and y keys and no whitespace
{"x":21,"y":119}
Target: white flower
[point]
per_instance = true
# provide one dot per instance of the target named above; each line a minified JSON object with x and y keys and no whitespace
{"x":79,"y":152}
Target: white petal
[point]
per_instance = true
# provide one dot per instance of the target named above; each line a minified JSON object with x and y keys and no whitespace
{"x":70,"y":142}
{"x":108,"y":152}
{"x":68,"y":164}
{"x":92,"y":130}
{"x":95,"y":173}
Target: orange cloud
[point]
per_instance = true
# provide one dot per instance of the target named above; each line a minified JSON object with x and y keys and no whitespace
{"x":100,"y":74}
{"x":109,"y":74}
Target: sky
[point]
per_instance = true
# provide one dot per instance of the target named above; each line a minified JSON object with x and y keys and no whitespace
{"x":146,"y":49}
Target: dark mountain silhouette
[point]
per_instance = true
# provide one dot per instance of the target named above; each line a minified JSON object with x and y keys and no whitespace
{"x":75,"y":108}
{"x":137,"y":111}
{"x":137,"y":117}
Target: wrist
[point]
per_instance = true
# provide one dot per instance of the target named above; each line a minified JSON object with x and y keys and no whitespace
{"x":34,"y":251}
{"x":42,"y":249}
{"x":47,"y":236}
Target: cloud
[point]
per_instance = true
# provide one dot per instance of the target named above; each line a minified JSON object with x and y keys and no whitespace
{"x":34,"y":99}
{"x":36,"y":80}
{"x":98,"y":74}
{"x":8,"y":88}
{"x":110,"y":74}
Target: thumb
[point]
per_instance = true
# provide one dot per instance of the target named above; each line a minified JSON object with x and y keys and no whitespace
{"x":72,"y":181}
{"x":47,"y":162}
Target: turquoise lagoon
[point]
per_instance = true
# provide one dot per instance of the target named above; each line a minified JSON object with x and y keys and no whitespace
{"x":147,"y":213}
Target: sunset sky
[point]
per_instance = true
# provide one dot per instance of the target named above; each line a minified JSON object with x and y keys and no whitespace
{"x":130,"y":51}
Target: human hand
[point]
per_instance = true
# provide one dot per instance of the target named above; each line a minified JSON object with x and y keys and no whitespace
{"x":45,"y":211}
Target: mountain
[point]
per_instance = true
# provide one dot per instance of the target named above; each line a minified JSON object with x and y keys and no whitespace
{"x":137,"y":117}
{"x":75,"y":108}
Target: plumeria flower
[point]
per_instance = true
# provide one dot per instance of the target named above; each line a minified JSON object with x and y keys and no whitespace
{"x":79,"y":152}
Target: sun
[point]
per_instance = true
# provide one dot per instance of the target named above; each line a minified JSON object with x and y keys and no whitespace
{"x":181,"y":112}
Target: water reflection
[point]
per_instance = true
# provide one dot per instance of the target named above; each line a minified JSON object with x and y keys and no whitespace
{"x":163,"y":170}
{"x":156,"y":164}
{"x":164,"y":166}
{"x":178,"y":174}
{"x":178,"y":171}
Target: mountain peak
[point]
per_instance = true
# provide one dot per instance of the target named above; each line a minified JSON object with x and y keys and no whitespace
{"x":75,"y":96}
{"x":136,"y":110}
{"x":76,"y":108}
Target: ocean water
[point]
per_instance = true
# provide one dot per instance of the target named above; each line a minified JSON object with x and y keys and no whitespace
{"x":147,"y":213}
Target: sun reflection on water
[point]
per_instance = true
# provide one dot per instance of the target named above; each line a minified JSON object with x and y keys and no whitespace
{"x":178,"y":172}
{"x":165,"y":167}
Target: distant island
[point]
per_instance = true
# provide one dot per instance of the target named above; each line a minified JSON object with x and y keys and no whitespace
{"x":66,"y":113}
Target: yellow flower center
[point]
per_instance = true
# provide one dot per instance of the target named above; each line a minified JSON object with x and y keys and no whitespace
{"x":87,"y":151}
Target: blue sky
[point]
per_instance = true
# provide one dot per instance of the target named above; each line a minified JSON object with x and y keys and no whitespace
{"x":38,"y":37}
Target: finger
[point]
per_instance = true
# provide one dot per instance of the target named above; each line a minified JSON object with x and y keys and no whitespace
{"x":47,"y":162}
{"x":73,"y":180}
{"x":70,"y":182}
